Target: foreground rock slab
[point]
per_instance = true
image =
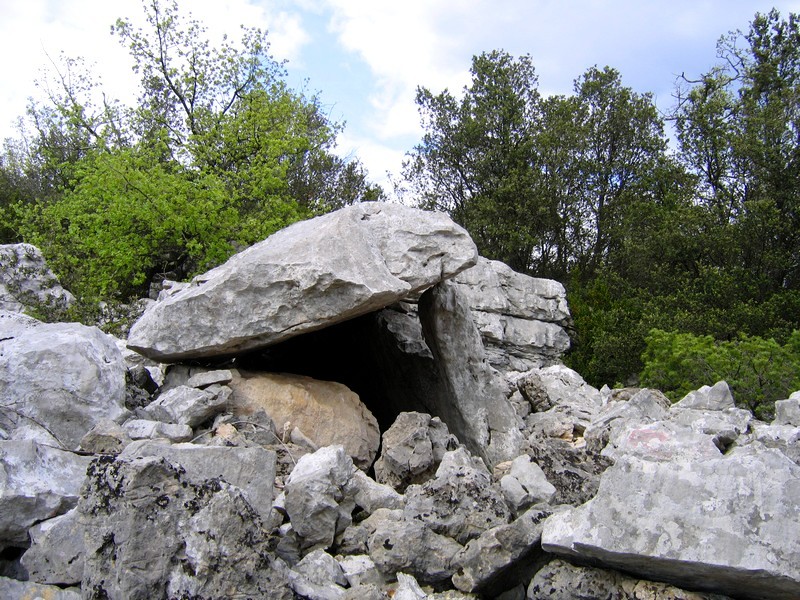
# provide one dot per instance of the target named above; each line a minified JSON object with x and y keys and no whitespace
{"x":308,"y":276}
{"x":726,"y":525}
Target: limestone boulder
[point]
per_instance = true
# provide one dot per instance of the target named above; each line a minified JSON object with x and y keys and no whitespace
{"x":319,"y":498}
{"x":27,"y":281}
{"x":306,"y":277}
{"x":22,"y":590}
{"x":520,"y":318}
{"x":412,"y":449}
{"x":64,"y":377}
{"x":477,"y":412}
{"x":560,"y":580}
{"x":252,"y":470}
{"x":326,"y":412}
{"x":37,"y":482}
{"x":57,"y":551}
{"x":725,"y":525}
{"x":461,"y":502}
{"x":502,"y":557}
{"x":152,"y":530}
{"x":398,"y":545}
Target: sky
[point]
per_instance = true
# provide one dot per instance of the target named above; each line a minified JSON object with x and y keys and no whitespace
{"x":366,"y":58}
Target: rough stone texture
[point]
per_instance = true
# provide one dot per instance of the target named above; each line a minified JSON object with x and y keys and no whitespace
{"x":525,"y":484}
{"x":36,"y":483}
{"x":660,"y":441}
{"x":252,"y":470}
{"x":27,"y":590}
{"x":371,"y":495}
{"x":502,"y":557}
{"x":64,"y":376}
{"x":461,"y":502}
{"x":787,"y":412}
{"x":190,"y":406}
{"x":412,"y":449}
{"x":560,"y":580}
{"x":310,"y":275}
{"x":726,"y":525}
{"x":13,"y":324}
{"x":152,"y":531}
{"x":206,"y":378}
{"x":328,"y":413}
{"x":318,"y":576}
{"x":319,"y":500}
{"x":716,"y":397}
{"x":396,"y":545}
{"x":478,"y":413}
{"x":27,"y":281}
{"x":570,"y":404}
{"x":106,"y":437}
{"x":520,"y":317}
{"x":57,"y":550}
{"x":360,"y":570}
{"x":574,"y":471}
{"x":143,"y":429}
{"x":725,"y":426}
{"x":785,"y":438}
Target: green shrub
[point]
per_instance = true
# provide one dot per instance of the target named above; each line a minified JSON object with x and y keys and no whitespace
{"x":759,"y":371}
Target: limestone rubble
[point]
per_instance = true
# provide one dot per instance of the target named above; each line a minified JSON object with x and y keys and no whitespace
{"x":469,"y":463}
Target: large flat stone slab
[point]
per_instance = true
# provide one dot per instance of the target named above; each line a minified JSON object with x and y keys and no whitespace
{"x":308,"y":276}
{"x":727,"y":525}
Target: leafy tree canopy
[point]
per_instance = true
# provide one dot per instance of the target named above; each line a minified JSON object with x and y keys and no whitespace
{"x":217,"y":153}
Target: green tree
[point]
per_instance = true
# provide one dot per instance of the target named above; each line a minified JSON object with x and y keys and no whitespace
{"x":217,"y":153}
{"x":477,"y":160}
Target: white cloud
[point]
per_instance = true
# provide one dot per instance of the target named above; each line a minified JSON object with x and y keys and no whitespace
{"x":32,"y":30}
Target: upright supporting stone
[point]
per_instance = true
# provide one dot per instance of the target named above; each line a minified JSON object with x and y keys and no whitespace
{"x":470,"y":399}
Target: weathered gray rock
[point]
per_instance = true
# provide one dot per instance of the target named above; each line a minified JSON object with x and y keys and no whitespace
{"x":573,"y":470}
{"x":725,"y":426}
{"x":565,"y":404}
{"x":560,"y":580}
{"x":479,"y":414}
{"x":461,"y":502}
{"x":143,"y":429}
{"x":725,"y":525}
{"x":520,"y":317}
{"x":308,"y":276}
{"x":152,"y":531}
{"x":787,"y":412}
{"x":190,"y":406}
{"x":204,"y":379}
{"x":318,"y":576}
{"x":252,"y":470}
{"x":371,"y":495}
{"x":23,"y":590}
{"x":36,"y":483}
{"x":57,"y":550}
{"x":63,"y":376}
{"x":13,"y":324}
{"x":502,"y":557}
{"x":328,"y":413}
{"x":319,"y":499}
{"x":525,"y":484}
{"x":716,"y":397}
{"x":106,"y":437}
{"x":408,"y":588}
{"x":27,"y":282}
{"x":785,"y":438}
{"x":398,"y":545}
{"x":360,"y":570}
{"x":412,"y":449}
{"x":662,"y":441}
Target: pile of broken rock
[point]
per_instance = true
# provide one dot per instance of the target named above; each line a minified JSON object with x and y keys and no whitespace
{"x":361,"y":407}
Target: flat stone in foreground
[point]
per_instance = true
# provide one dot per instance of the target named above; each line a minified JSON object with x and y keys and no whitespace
{"x":726,"y":525}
